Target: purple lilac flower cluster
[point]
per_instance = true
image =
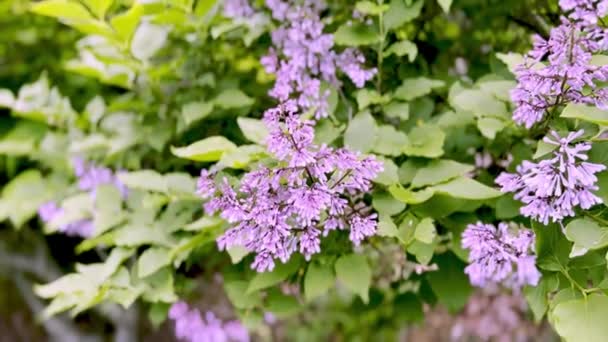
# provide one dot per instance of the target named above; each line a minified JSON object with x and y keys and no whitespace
{"x":559,"y":70}
{"x":552,"y":188}
{"x":314,"y":189}
{"x":302,"y":56}
{"x":89,"y":178}
{"x":237,"y":9}
{"x":191,"y":327}
{"x":498,"y":255}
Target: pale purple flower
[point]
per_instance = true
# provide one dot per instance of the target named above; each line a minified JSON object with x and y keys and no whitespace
{"x":191,"y":327}
{"x":237,"y":9}
{"x":552,"y":188}
{"x":497,"y":255}
{"x":50,"y":211}
{"x":587,"y":11}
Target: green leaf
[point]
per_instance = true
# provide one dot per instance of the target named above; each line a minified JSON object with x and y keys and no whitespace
{"x":399,"y":110}
{"x":367,"y":97}
{"x":282,"y":305}
{"x":422,"y":251}
{"x":318,"y":280}
{"x":489,"y":127}
{"x":152,"y":260}
{"x":439,"y":171}
{"x":233,"y":98}
{"x":387,"y":228}
{"x":240,"y":297}
{"x":206,"y":150}
{"x":22,"y":139}
{"x":538,"y":296}
{"x":267,"y":279}
{"x":467,"y":188}
{"x":386,"y":204}
{"x":401,"y":12}
{"x":445,"y":5}
{"x":99,"y":7}
{"x":543,"y":148}
{"x":361,"y":133}
{"x":149,"y":180}
{"x":586,"y":235}
{"x":354,"y":273}
{"x":390,"y":141}
{"x":195,"y":111}
{"x":511,"y":59}
{"x":389,"y":176}
{"x":586,"y":113}
{"x":148,"y":40}
{"x":551,"y":247}
{"x":253,"y":129}
{"x":356,"y":34}
{"x":409,"y":196}
{"x":479,"y":103}
{"x":108,"y":208}
{"x":22,"y":196}
{"x":449,"y":283}
{"x":412,"y":88}
{"x":402,"y":48}
{"x":425,"y":231}
{"x":237,"y":253}
{"x":370,"y":8}
{"x":425,"y":141}
{"x":242,"y":157}
{"x":126,"y":22}
{"x":582,"y":319}
{"x":62,"y":9}
{"x":507,"y":207}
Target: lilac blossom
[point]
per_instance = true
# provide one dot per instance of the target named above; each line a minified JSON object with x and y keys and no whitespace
{"x":191,"y":327}
{"x":587,"y":11}
{"x":558,"y":71}
{"x":498,"y":255}
{"x":89,"y":178}
{"x":277,"y":211}
{"x":554,"y":187}
{"x":237,"y":9}
{"x":302,"y":56}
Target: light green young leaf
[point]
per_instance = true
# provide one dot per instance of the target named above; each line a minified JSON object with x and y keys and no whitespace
{"x":126,"y":22}
{"x":99,"y":7}
{"x":425,"y":141}
{"x":195,"y":111}
{"x":22,"y":139}
{"x":389,"y":141}
{"x":206,"y":150}
{"x":587,"y":235}
{"x":318,"y":280}
{"x":582,"y":319}
{"x":543,"y":148}
{"x":389,"y":176}
{"x":387,"y":228}
{"x":402,"y":48}
{"x":399,"y":110}
{"x":479,"y":103}
{"x":62,"y":9}
{"x":467,"y":188}
{"x":152,"y":260}
{"x":489,"y":127}
{"x":401,"y":12}
{"x":354,"y":273}
{"x":149,"y":180}
{"x":253,"y":129}
{"x":412,"y":88}
{"x":386,"y":204}
{"x":22,"y":196}
{"x":366,"y":97}
{"x":511,"y":59}
{"x":438,"y":171}
{"x":356,"y":34}
{"x":370,"y":8}
{"x":361,"y":133}
{"x":233,"y":98}
{"x":425,"y":231}
{"x":586,"y":113}
{"x":409,"y":196}
{"x":147,"y":40}
{"x":445,"y":5}
{"x":242,"y":157}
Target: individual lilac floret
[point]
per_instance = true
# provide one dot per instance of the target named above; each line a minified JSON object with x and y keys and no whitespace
{"x":587,"y":11}
{"x":303,"y":56}
{"x":553,"y":188}
{"x":191,"y":327}
{"x":50,"y":211}
{"x":566,"y":75}
{"x":278,"y":211}
{"x":237,"y":9}
{"x":497,"y":255}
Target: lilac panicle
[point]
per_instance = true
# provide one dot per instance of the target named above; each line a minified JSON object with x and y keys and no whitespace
{"x":237,"y":9}
{"x":303,"y":57}
{"x":191,"y":327}
{"x":553,"y":188}
{"x":89,"y":178}
{"x":278,"y":211}
{"x":499,"y":256}
{"x":558,"y":70}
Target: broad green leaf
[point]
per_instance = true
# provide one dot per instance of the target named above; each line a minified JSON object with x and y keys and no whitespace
{"x":7,"y":99}
{"x":439,"y":171}
{"x":126,"y":22}
{"x":551,"y":247}
{"x":387,"y":228}
{"x":501,"y":89}
{"x":108,"y":208}
{"x":233,"y":98}
{"x":390,"y":141}
{"x":62,"y":9}
{"x":401,"y":12}
{"x":370,"y":8}
{"x":206,"y":150}
{"x":389,"y":176}
{"x":204,"y":222}
{"x":445,"y":5}
{"x":511,"y":59}
{"x":425,"y":141}
{"x":354,"y":273}
{"x":280,"y":272}
{"x":467,"y":188}
{"x":99,"y":7}
{"x":23,"y":195}
{"x":402,"y":48}
{"x":412,"y":88}
{"x":152,"y":260}
{"x":386,"y":204}
{"x":422,"y":251}
{"x":149,"y":180}
{"x":367,"y":97}
{"x":195,"y":111}
{"x":586,"y":113}
{"x":237,"y":253}
{"x":582,"y":319}
{"x":242,"y":157}
{"x":538,"y":296}
{"x":356,"y":34}
{"x":318,"y":280}
{"x":543,"y":148}
{"x":425,"y":231}
{"x":239,"y":296}
{"x":409,"y":196}
{"x":507,"y":207}
{"x":489,"y":127}
{"x":282,"y":305}
{"x":479,"y":103}
{"x":399,"y":110}
{"x":22,"y":139}
{"x":586,"y":235}
{"x":449,"y":283}
{"x":253,"y":129}
{"x":147,"y":40}
{"x":361,"y":133}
